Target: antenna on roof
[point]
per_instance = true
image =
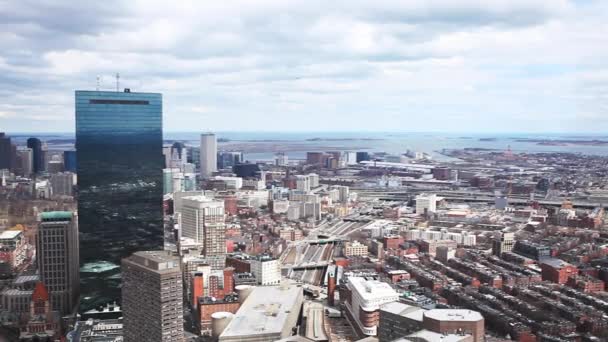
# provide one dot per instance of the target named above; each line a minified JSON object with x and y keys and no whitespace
{"x":117,"y":82}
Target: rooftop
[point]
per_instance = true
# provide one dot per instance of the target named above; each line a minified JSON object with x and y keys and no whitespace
{"x":265,"y":311}
{"x":453,"y":315}
{"x":369,"y":289}
{"x":554,"y":262}
{"x":155,"y":260}
{"x":430,"y":336}
{"x":402,"y":309}
{"x":56,"y":215}
{"x":9,"y":234}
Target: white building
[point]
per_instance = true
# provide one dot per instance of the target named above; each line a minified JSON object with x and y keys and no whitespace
{"x":267,"y":270}
{"x":208,"y":154}
{"x":303,"y":183}
{"x":350,"y":158}
{"x":366,"y":298}
{"x":314,"y":180}
{"x":293,"y":212}
{"x":280,"y":206}
{"x":202,"y":219}
{"x":253,"y":198}
{"x":355,"y":248}
{"x":344,"y":192}
{"x":235,"y":183}
{"x":426,"y":203}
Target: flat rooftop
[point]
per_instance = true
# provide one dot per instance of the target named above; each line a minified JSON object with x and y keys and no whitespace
{"x":369,"y":289}
{"x":454,"y":315}
{"x":9,"y":234}
{"x":427,"y":335}
{"x":410,"y":311}
{"x":56,"y":216}
{"x":155,"y":260}
{"x":553,"y":262}
{"x":265,"y":311}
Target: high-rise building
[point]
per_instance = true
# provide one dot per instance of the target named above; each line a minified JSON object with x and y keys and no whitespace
{"x":63,"y":183}
{"x":120,"y":162}
{"x":36,"y":145}
{"x":25,"y":161}
{"x":426,"y":204}
{"x":44,"y":157}
{"x":152,"y":297}
{"x":227,"y":159}
{"x":178,"y":156}
{"x":208,"y":154}
{"x":69,"y":161}
{"x":7,"y":152}
{"x":203,"y":221}
{"x":57,"y":256}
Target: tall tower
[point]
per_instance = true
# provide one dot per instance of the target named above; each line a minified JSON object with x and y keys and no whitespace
{"x":57,"y":257}
{"x":208,"y":154}
{"x":203,"y":220}
{"x":152,"y":297}
{"x":6,"y":152}
{"x":120,"y":179}
{"x":36,"y":145}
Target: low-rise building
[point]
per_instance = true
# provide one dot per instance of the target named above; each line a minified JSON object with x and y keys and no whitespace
{"x":363,"y":301}
{"x":355,"y":248}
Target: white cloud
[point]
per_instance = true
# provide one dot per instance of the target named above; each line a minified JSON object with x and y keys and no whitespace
{"x":306,"y":65}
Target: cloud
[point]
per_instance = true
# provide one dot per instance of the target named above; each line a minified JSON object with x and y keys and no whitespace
{"x":533,"y":65}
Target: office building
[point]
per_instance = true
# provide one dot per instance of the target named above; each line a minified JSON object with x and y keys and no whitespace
{"x":69,"y":161}
{"x":7,"y":152}
{"x":303,"y":183}
{"x":362,"y":156}
{"x":36,"y":145}
{"x":268,"y":313}
{"x":266,"y":270}
{"x":62,"y":183}
{"x":177,"y":156}
{"x":25,"y":161}
{"x":57,"y":256}
{"x":246,"y":170}
{"x":208,"y":155}
{"x":227,"y":159}
{"x":120,"y":162}
{"x":203,"y":221}
{"x":363,"y":303}
{"x":355,"y":248}
{"x":503,"y":244}
{"x":426,"y":204}
{"x":152,"y":297}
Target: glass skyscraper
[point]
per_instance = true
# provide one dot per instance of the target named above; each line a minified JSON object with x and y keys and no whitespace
{"x":120,"y":162}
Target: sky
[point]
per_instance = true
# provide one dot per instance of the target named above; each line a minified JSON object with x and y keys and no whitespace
{"x":408,"y":65}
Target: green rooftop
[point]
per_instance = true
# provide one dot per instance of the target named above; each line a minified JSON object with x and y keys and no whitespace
{"x":56,"y":215}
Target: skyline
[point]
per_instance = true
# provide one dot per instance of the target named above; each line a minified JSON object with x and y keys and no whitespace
{"x":441,"y":66}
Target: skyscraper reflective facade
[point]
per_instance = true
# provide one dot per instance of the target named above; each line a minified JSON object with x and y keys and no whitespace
{"x":36,"y":145}
{"x":120,"y":162}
